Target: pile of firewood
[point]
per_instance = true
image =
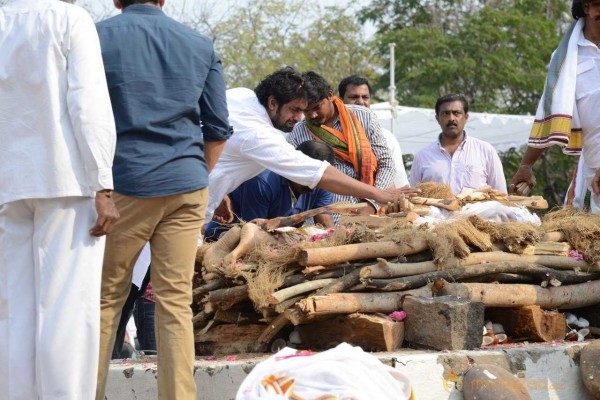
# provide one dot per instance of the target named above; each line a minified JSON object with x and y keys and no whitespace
{"x":259,"y":288}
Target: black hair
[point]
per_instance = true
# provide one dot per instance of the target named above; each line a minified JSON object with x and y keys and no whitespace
{"x":127,"y":3}
{"x":284,"y":85}
{"x":450,"y":98}
{"x":577,"y":9}
{"x":317,"y":150}
{"x":353,"y":80}
{"x":316,"y":87}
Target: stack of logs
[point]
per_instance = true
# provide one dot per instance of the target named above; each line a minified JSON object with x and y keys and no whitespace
{"x":255,"y":290}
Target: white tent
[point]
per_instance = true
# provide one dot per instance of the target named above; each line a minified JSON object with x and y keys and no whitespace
{"x":415,"y":128}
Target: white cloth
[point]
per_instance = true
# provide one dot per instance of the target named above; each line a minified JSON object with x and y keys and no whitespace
{"x":473,"y":165}
{"x":57,"y":135}
{"x":344,"y":372}
{"x":557,"y":117}
{"x":256,"y":145}
{"x":594,"y":200}
{"x":50,"y":271}
{"x":587,"y":94}
{"x":141,"y":266}
{"x":400,"y":179}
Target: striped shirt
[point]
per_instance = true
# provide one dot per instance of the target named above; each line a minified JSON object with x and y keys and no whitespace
{"x":384,"y":176}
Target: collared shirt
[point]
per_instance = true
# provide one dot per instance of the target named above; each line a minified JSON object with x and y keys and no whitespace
{"x":57,"y":132}
{"x":168,"y":94}
{"x":385,"y":166}
{"x":267,"y":196}
{"x":256,"y":145}
{"x":473,"y":165}
{"x":587,"y":94}
{"x":400,"y":178}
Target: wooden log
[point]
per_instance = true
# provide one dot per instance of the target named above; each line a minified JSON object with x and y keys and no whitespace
{"x":372,"y":332}
{"x":208,"y":286}
{"x":530,"y":322}
{"x":447,"y":204}
{"x":386,"y":269}
{"x":502,"y":278}
{"x":548,"y":248}
{"x":229,"y":339}
{"x":225,"y":298}
{"x":514,"y":295}
{"x":237,"y":315}
{"x":554,"y":277}
{"x":284,"y":305}
{"x":340,"y":284}
{"x":359,"y":251}
{"x":348,"y":303}
{"x":556,"y":262}
{"x":339,"y":208}
{"x":292,"y":291}
{"x":272,"y":329}
{"x":535,"y":202}
{"x":201,"y":318}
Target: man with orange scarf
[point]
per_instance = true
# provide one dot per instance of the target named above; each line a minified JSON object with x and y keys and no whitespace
{"x":352,"y":131}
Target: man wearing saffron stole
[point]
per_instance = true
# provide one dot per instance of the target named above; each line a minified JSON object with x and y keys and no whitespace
{"x":360,"y":149}
{"x":568,"y":113}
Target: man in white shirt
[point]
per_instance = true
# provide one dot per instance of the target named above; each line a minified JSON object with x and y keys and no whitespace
{"x":357,"y":90}
{"x":568,"y":113}
{"x":57,"y":146}
{"x":456,"y":159}
{"x":259,"y":119}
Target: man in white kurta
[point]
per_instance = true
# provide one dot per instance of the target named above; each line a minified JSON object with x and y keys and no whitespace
{"x":568,"y":113}
{"x":457,"y":159}
{"x":57,"y":140}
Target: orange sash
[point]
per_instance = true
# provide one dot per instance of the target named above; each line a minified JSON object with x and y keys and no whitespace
{"x":351,"y":144}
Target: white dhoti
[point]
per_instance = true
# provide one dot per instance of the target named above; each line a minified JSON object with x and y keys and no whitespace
{"x":50,"y":271}
{"x":594,"y":199}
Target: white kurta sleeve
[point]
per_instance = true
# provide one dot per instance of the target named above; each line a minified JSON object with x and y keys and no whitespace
{"x":88,"y":102}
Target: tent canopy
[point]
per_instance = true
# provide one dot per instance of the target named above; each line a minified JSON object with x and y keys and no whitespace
{"x":416,"y":128}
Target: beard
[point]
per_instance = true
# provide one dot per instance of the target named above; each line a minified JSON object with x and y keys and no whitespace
{"x":281,"y":124}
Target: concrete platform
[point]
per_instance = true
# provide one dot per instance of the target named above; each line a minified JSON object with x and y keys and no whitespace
{"x":548,"y":371}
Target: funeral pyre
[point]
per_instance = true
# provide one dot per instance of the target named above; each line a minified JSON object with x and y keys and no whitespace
{"x":437,"y":271}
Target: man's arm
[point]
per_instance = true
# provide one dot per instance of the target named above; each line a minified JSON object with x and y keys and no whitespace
{"x":340,"y":183}
{"x":91,"y":116}
{"x":525,"y":171}
{"x":596,"y":183}
{"x":212,"y":151}
{"x":213,"y":113}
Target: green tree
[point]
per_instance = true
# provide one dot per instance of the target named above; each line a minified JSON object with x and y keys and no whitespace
{"x":494,"y":52}
{"x":259,"y":37}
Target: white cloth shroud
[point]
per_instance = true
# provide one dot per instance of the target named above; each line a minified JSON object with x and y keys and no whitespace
{"x":345,"y":372}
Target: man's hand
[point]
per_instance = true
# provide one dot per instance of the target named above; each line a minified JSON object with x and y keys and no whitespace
{"x":524,"y":175}
{"x":223,"y":213}
{"x":107,"y":213}
{"x":384,"y":197}
{"x":596,"y":183}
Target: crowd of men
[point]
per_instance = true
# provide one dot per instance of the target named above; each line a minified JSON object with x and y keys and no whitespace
{"x":123,"y":133}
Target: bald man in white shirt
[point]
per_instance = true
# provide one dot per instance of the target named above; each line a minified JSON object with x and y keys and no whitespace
{"x":57,"y":144}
